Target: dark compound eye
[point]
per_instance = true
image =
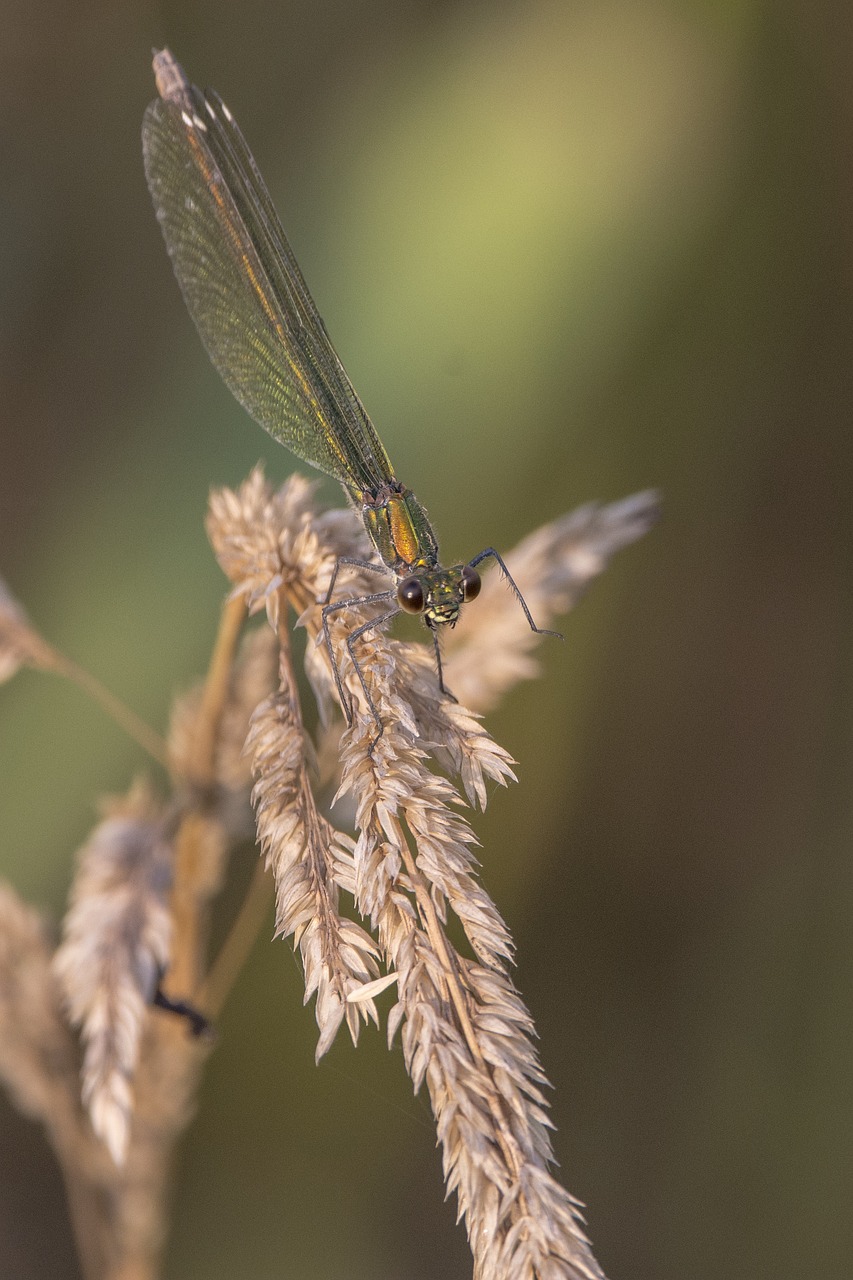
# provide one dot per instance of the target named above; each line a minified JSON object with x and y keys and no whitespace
{"x":470,"y":583}
{"x":410,"y":595}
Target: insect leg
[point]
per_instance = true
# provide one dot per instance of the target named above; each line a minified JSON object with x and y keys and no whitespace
{"x":360,"y":564}
{"x":442,"y":686}
{"x":490,"y":551}
{"x":370,"y":625}
{"x":343,"y":604}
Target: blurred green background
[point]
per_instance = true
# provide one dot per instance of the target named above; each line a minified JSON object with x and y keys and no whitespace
{"x":566,"y":251}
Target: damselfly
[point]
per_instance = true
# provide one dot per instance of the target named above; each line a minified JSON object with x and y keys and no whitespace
{"x":264,"y":334}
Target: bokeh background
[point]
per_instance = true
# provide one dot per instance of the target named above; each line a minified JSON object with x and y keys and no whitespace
{"x":567,"y":251}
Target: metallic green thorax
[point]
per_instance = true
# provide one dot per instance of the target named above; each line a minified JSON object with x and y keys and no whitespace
{"x":399,"y":528}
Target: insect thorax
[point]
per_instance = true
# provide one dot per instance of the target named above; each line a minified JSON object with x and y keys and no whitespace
{"x":399,"y":529}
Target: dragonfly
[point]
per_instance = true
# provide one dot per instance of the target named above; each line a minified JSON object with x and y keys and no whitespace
{"x":249,"y":301}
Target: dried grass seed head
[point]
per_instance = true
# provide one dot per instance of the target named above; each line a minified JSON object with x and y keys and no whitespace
{"x":552,"y":568}
{"x":265,"y":539}
{"x":116,"y":940}
{"x":34,"y":1040}
{"x":309,"y":860}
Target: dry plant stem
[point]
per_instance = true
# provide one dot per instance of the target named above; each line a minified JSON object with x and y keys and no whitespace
{"x":216,"y":688}
{"x":188,"y":909}
{"x":165,"y":1088}
{"x":186,"y":962}
{"x":86,"y":1172}
{"x":465,"y":1032}
{"x":126,"y":719}
{"x":86,"y":1214}
{"x":171,"y":1060}
{"x":238,"y":945}
{"x":40,"y":1065}
{"x":435,"y":933}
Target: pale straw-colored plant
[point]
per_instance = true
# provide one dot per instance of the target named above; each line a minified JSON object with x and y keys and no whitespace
{"x":115,"y":1098}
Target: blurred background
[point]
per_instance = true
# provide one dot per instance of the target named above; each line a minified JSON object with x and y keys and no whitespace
{"x":566,"y":251}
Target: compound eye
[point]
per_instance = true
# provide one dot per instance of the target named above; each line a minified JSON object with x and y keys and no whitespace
{"x":410,"y":595}
{"x":470,"y":583}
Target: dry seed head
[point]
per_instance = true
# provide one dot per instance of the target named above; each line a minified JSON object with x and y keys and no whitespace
{"x":309,"y":858}
{"x":266,"y":539}
{"x":552,"y":568}
{"x":35,"y":1045}
{"x":465,"y":1030}
{"x":115,"y":946}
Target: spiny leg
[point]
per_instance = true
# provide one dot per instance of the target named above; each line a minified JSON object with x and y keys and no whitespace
{"x":490,"y":551}
{"x":370,"y":625}
{"x":372,"y":622}
{"x":436,"y":646}
{"x":359,"y":564}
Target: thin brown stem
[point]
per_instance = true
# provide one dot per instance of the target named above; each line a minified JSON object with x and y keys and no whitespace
{"x":216,"y":687}
{"x":87,"y":1170}
{"x":171,"y":1060}
{"x":125,"y":718}
{"x":189,"y":898}
{"x":237,"y":947}
{"x":235,"y":951}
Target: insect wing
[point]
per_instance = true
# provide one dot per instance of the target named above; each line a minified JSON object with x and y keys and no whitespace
{"x":246,"y":294}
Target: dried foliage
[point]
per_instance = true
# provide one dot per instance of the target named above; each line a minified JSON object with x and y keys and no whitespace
{"x":464,"y":1028}
{"x":33,"y":1034}
{"x":305,"y":852}
{"x":115,"y":947}
{"x":149,"y":872}
{"x":553,"y":567}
